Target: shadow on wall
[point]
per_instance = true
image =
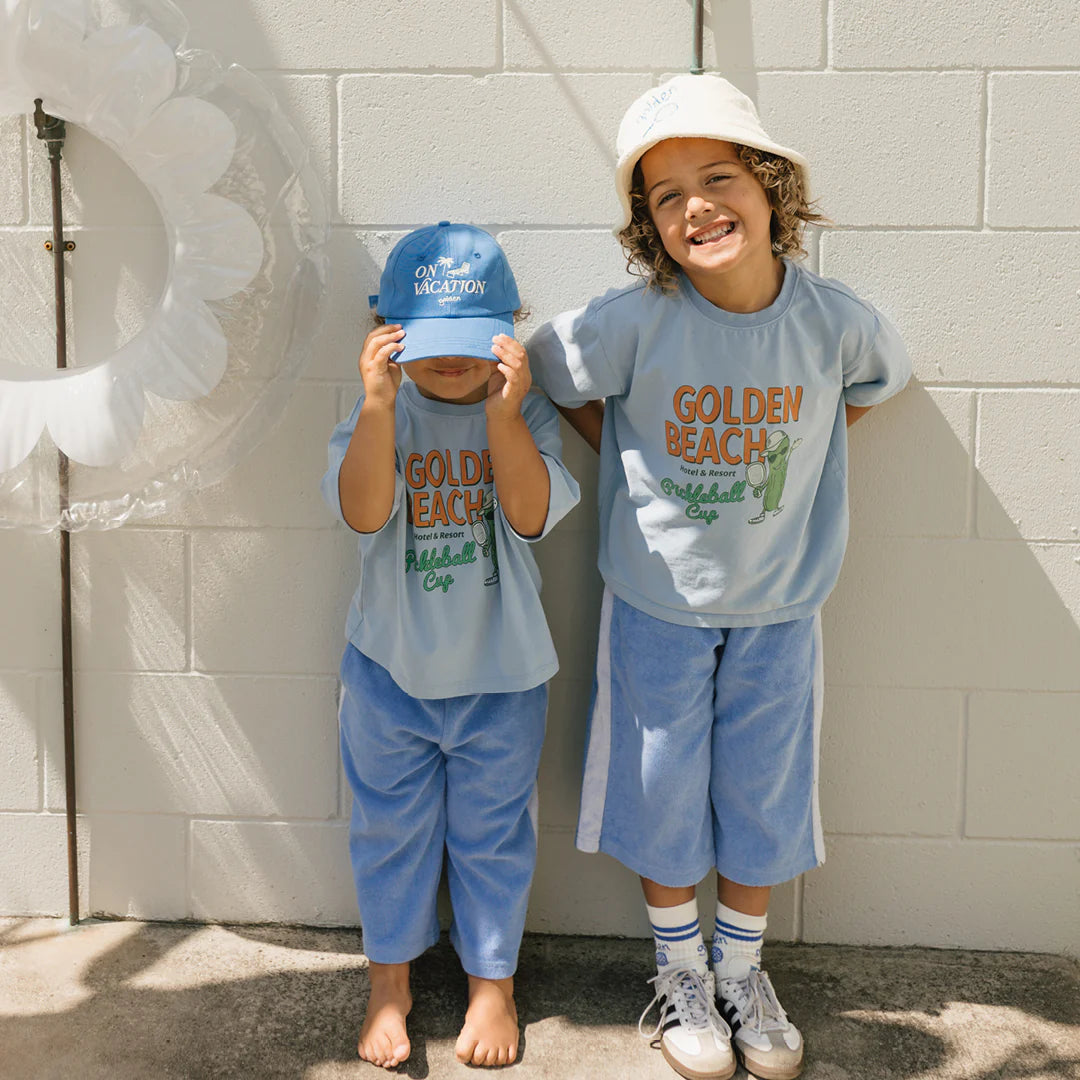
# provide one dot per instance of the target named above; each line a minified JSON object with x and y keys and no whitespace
{"x":156,"y":1003}
{"x":731,"y":24}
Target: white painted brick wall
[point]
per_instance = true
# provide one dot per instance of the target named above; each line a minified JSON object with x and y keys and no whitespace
{"x":12,"y":190}
{"x":1026,"y":157}
{"x":943,"y":147}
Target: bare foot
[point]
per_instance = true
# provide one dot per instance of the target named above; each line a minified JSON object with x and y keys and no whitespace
{"x":490,"y":1033}
{"x":383,"y":1038}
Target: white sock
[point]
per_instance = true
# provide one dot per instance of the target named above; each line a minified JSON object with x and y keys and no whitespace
{"x":736,"y":943}
{"x":677,"y":933}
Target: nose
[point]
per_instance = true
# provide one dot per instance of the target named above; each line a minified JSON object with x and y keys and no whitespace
{"x":697,"y":205}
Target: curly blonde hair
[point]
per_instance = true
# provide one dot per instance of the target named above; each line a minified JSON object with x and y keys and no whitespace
{"x":784,"y":187}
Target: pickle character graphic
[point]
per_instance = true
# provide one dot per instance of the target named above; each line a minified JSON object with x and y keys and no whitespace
{"x":483,"y":530}
{"x":769,"y":476}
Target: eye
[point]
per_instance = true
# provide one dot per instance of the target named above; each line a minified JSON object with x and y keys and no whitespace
{"x":719,"y":176}
{"x":666,"y":197}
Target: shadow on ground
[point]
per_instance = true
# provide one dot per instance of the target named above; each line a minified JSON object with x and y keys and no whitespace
{"x":130,"y":1001}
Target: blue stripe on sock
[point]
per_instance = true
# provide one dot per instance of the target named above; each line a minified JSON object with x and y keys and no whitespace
{"x":724,"y":929}
{"x":737,"y":937}
{"x":684,"y":937}
{"x":674,"y":929}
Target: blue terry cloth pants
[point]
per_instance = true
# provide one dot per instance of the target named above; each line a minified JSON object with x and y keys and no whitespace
{"x":455,"y":774}
{"x":702,"y":748}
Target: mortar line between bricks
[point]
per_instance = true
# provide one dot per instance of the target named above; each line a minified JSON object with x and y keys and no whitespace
{"x":663,"y":69}
{"x":189,"y":599}
{"x":538,"y":227}
{"x":163,"y":673}
{"x":962,"y":778}
{"x":333,"y":195}
{"x":975,"y":230}
{"x":984,"y":122}
{"x":1027,"y":690}
{"x":956,"y":69}
{"x":799,"y":917}
{"x":189,"y":867}
{"x":1027,"y":842}
{"x":24,"y":140}
{"x":38,"y":695}
{"x":248,"y":819}
{"x":828,"y":35}
{"x":551,"y":70}
{"x":500,"y":35}
{"x":1030,"y":541}
{"x":973,"y":471}
{"x":1027,"y":388}
{"x":975,"y":466}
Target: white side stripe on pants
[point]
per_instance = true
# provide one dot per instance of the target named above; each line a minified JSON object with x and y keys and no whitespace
{"x":598,"y":755}
{"x":819,"y":703}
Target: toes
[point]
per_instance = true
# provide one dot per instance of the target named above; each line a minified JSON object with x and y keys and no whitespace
{"x":465,"y":1050}
{"x":385,"y":1051}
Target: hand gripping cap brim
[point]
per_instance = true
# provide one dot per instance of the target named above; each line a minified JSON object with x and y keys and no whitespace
{"x":690,"y":107}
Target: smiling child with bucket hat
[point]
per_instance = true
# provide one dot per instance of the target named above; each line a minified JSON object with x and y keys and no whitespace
{"x":727,"y":376}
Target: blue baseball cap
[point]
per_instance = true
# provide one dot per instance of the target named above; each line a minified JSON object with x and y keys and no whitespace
{"x":451,"y":288}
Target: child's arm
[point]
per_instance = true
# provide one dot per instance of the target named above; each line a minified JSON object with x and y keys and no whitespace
{"x":522,"y":483}
{"x":856,"y":412}
{"x":587,"y":420}
{"x":367,"y":477}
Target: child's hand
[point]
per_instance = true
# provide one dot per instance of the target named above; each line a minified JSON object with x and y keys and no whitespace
{"x":381,"y":375}
{"x":510,"y":381}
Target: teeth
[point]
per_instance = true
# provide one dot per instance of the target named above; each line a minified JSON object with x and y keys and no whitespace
{"x":713,"y":234}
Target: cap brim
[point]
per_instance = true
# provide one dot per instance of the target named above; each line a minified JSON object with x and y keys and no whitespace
{"x":426,"y":338}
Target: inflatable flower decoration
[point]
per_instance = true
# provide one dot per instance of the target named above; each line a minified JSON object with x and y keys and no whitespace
{"x":212,"y":365}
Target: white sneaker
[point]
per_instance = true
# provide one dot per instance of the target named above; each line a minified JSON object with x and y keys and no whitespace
{"x":769,"y":1043}
{"x":694,"y":1039}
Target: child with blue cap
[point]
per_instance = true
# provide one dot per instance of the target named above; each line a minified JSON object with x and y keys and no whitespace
{"x":729,"y":377}
{"x":448,"y":477}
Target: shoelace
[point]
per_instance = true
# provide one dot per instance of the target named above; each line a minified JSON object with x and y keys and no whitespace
{"x":756,"y":1001}
{"x":693,"y":1002}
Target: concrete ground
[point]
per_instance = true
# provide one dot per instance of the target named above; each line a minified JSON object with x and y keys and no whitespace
{"x":139,"y":1001}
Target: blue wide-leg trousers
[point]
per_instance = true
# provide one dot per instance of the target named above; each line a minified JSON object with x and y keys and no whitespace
{"x":432,"y":775}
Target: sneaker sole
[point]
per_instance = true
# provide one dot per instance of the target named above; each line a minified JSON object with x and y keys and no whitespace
{"x":769,"y":1072}
{"x":694,"y":1074}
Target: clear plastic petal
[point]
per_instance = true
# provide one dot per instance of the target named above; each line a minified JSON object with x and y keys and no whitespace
{"x":130,"y":73}
{"x":219,"y":248}
{"x":183,"y":353}
{"x":22,"y":419}
{"x":185,"y":147}
{"x":94,"y":415}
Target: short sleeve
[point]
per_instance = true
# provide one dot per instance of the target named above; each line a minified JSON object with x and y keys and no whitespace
{"x":564,"y":495}
{"x":581,"y":356}
{"x":335,"y":454}
{"x":880,"y":370}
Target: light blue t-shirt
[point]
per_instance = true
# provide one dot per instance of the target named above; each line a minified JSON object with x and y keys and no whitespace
{"x":723,"y":463}
{"x":449,"y":593}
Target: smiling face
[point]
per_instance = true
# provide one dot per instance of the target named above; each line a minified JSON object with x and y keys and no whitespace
{"x":712,"y":215}
{"x":462,"y":380}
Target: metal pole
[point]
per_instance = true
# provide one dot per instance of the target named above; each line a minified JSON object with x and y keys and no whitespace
{"x":52,"y":131}
{"x":698,"y":67}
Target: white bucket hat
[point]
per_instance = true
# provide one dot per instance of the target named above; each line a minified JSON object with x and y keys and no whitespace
{"x":688,"y":107}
